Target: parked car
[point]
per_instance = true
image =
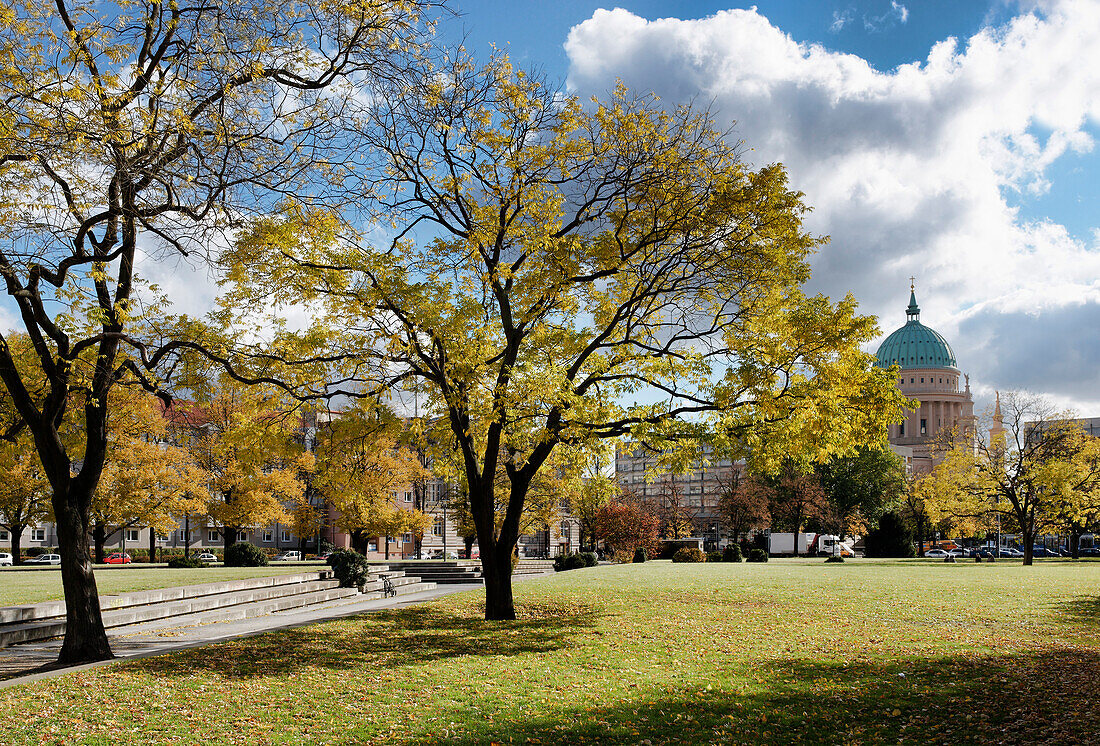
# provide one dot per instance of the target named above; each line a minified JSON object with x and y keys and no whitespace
{"x":5,"y":559}
{"x":323,"y":556}
{"x":118,"y":558}
{"x":207,"y":557}
{"x":959,"y":552}
{"x":937,"y":553}
{"x":288,"y":556}
{"x":45,"y":559}
{"x":1010,"y":552}
{"x":1043,"y":552}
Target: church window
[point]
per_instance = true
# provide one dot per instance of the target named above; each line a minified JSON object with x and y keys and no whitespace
{"x":922,"y":380}
{"x":923,"y":427}
{"x":911,"y":380}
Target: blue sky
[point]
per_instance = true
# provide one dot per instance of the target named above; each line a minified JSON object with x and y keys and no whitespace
{"x":955,"y":141}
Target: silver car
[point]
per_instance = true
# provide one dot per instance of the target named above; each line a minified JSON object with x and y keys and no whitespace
{"x":45,"y":559}
{"x":5,"y":559}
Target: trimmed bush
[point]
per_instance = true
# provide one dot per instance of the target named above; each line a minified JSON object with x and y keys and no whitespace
{"x":243,"y":554}
{"x":689,"y":554}
{"x":758,"y":555}
{"x":732,"y":553}
{"x":714,"y":556}
{"x":349,"y":567}
{"x":834,"y":559}
{"x":640,"y":554}
{"x":185,"y":563}
{"x":590,"y":559}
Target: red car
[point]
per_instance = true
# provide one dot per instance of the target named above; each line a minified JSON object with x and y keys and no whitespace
{"x":118,"y":558}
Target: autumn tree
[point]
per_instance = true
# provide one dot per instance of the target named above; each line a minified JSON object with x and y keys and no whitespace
{"x":360,"y":466}
{"x":153,"y":124}
{"x":24,"y":491}
{"x":795,"y":499}
{"x":743,"y":503}
{"x":246,"y":441}
{"x":1028,"y":468}
{"x":627,"y":524}
{"x":145,"y":479}
{"x":673,"y":507}
{"x":552,"y":262}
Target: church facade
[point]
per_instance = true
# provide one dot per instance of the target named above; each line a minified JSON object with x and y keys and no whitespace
{"x":929,"y":373}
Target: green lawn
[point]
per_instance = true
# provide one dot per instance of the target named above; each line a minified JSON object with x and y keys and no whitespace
{"x":18,"y":586}
{"x":787,"y":652}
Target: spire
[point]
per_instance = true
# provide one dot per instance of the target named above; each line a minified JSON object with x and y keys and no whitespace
{"x":997,"y":432}
{"x":912,"y":313}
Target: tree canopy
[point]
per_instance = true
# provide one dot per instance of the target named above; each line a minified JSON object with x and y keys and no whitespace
{"x":139,"y":129}
{"x":562,"y":272}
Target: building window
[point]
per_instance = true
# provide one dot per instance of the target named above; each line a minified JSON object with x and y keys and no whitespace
{"x":407,"y":538}
{"x":38,"y":534}
{"x":269,"y":536}
{"x":212,"y":535}
{"x":242,"y":536}
{"x":924,"y":427}
{"x":437,"y":527}
{"x":285,"y":535}
{"x":408,"y":497}
{"x":911,"y":381}
{"x":131,"y":534}
{"x":372,"y":546}
{"x":901,"y":432}
{"x":922,"y":380}
{"x":3,"y":535}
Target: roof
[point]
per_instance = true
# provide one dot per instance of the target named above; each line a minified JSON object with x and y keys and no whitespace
{"x":915,"y":345}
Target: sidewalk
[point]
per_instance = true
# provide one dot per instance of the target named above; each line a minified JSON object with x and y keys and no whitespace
{"x":21,"y":664}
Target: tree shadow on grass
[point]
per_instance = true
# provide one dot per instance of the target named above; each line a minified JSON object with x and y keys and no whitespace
{"x":1046,"y":697}
{"x":389,"y":639}
{"x":1080,"y":610}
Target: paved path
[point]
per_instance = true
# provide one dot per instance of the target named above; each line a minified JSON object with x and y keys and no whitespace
{"x":20,"y":664}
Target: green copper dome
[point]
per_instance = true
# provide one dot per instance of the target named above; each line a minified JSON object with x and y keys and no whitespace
{"x":915,"y":345}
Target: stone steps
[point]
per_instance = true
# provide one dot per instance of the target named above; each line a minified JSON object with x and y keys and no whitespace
{"x":209,"y":602}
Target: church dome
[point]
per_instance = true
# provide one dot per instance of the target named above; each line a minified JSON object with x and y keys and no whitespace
{"x":915,"y":345}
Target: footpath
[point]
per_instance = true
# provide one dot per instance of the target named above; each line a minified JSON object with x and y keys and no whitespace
{"x":32,"y":661}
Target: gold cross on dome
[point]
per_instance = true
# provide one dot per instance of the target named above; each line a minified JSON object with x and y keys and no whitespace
{"x":912,"y":281}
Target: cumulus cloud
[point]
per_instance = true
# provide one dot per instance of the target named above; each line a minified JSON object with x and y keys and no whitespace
{"x":910,"y":170}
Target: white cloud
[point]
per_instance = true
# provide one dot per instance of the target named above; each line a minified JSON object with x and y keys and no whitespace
{"x":908,"y":170}
{"x":841,"y":18}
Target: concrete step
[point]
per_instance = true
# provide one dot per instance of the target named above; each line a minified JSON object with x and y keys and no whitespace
{"x":56,"y":609}
{"x":218,"y":601}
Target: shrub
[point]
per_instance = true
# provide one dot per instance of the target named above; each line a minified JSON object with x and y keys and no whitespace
{"x":714,"y":556}
{"x":590,"y":559}
{"x":834,"y":559}
{"x":732,"y":553}
{"x":640,"y":554}
{"x":185,"y":562}
{"x":349,"y":567}
{"x":622,"y":556}
{"x":758,"y":555}
{"x":35,"y":551}
{"x":689,"y":554}
{"x":243,"y":554}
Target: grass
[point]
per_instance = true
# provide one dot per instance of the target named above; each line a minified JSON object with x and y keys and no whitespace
{"x":18,"y":587}
{"x":786,"y":652}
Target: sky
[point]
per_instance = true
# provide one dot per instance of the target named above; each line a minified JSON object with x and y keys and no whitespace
{"x":952,"y":141}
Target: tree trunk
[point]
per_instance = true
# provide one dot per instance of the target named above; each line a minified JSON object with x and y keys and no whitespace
{"x":469,"y":542}
{"x":1075,"y":545}
{"x":152,"y":544}
{"x":387,"y":540}
{"x":99,"y":536}
{"x":1029,"y":543}
{"x":496,"y":565}
{"x":16,"y":542}
{"x":85,"y":638}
